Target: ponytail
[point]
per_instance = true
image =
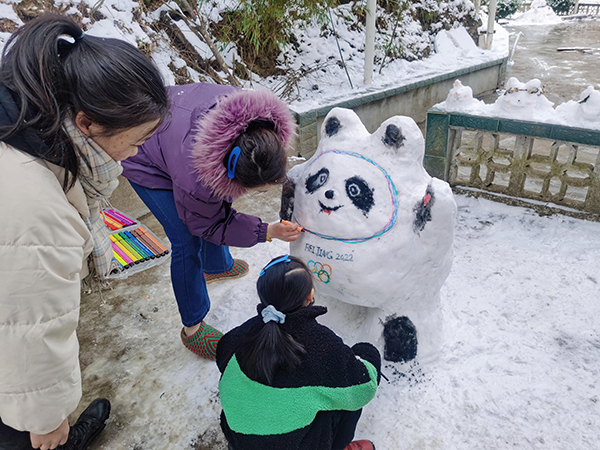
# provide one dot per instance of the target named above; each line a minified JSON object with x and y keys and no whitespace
{"x":267,"y":351}
{"x":286,"y":286}
{"x":53,"y":71}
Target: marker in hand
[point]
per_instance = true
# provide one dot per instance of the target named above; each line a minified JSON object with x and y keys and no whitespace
{"x":285,"y":222}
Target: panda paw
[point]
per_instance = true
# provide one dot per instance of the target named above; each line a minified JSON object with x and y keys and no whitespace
{"x":400,"y":336}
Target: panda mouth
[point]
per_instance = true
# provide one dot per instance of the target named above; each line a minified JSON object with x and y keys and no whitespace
{"x":327,"y":210}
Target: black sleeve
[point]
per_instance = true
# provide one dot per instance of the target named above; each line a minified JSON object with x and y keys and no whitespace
{"x":368,"y":352}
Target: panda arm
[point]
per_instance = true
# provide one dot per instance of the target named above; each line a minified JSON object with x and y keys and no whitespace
{"x":287,"y":200}
{"x":288,"y":192}
{"x":437,"y":202}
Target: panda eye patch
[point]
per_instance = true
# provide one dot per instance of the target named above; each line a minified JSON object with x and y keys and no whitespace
{"x":317,"y":180}
{"x":360,"y":194}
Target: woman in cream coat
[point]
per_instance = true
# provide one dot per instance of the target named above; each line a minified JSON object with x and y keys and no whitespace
{"x":71,"y":107}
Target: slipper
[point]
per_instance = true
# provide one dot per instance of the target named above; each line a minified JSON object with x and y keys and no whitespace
{"x":239,"y":269}
{"x":203,"y":342}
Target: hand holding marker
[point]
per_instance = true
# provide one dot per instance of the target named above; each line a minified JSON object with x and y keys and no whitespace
{"x":283,"y":230}
{"x":285,"y":222}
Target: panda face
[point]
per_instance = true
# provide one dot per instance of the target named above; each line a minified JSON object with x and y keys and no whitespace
{"x":345,"y":195}
{"x":357,"y":190}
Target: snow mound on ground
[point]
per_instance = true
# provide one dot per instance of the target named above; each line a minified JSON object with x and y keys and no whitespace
{"x":539,"y":14}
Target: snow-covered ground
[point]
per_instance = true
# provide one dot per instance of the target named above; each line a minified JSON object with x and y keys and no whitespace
{"x":519,"y":366}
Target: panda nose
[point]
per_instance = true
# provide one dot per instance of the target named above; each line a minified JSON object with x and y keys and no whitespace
{"x":330,"y":194}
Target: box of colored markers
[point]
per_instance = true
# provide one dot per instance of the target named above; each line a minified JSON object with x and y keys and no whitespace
{"x":135,"y":247}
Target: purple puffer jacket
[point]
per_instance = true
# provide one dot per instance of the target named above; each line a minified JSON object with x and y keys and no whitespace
{"x":186,"y":155}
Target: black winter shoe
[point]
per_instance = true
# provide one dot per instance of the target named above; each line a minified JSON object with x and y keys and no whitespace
{"x":90,"y":423}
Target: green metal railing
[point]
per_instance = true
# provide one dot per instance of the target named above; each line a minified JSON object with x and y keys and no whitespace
{"x":538,"y":161}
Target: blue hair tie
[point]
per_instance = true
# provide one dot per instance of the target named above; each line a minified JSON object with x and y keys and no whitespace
{"x":271,"y":314}
{"x":285,"y":258}
{"x":235,"y":153}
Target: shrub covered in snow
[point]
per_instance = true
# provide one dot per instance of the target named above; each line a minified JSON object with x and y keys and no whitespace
{"x":560,"y":6}
{"x":507,"y":8}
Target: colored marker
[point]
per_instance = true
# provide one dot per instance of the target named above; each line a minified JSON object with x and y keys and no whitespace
{"x":123,"y":239}
{"x":114,"y":220}
{"x":118,"y":259}
{"x":116,"y":270}
{"x":285,"y":222}
{"x":124,"y":249}
{"x":151,"y":245}
{"x":143,"y":245}
{"x":135,"y":243}
{"x":132,"y":259}
{"x":112,"y":224}
{"x":106,"y":213}
{"x":158,"y":244}
{"x":126,"y":220}
{"x":109,"y":223}
{"x":120,"y":256}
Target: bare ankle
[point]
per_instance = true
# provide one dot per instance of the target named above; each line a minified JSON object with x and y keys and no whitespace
{"x":191,"y":330}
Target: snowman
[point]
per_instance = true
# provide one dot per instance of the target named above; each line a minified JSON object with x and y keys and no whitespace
{"x":460,"y":99}
{"x":589,"y":105}
{"x":459,"y":94}
{"x":378,"y":233}
{"x":525,"y":101}
{"x":584,"y":113}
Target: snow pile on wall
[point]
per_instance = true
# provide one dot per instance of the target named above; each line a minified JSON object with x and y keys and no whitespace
{"x":526,"y":101}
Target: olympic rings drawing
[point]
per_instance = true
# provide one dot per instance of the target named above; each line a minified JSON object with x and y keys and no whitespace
{"x":322,"y":272}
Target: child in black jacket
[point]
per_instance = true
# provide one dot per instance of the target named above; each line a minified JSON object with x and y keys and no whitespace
{"x":288,"y":382}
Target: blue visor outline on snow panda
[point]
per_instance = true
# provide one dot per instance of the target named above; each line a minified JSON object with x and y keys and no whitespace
{"x":393,"y":197}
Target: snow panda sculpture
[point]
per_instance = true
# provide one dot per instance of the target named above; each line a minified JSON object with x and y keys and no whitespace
{"x":378,"y":233}
{"x":584,"y":113}
{"x":525,"y":101}
{"x":459,"y":97}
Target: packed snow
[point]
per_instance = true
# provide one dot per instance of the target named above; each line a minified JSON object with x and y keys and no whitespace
{"x":365,"y":198}
{"x":518,"y":367}
{"x":539,"y":13}
{"x":526,"y":101}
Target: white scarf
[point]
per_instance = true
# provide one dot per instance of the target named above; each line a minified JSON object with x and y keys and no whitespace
{"x":98,"y":177}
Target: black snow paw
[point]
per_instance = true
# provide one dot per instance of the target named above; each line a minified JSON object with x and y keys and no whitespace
{"x":422,"y":210}
{"x":287,"y":200}
{"x":400,"y":336}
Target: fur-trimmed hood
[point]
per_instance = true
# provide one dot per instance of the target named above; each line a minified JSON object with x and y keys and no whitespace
{"x":216,"y":132}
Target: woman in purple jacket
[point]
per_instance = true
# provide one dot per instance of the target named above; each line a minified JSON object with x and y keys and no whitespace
{"x":219,"y":143}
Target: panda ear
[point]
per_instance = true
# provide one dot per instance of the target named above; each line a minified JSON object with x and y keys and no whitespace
{"x":393,"y":136}
{"x":400,"y":135}
{"x":332,"y":126}
{"x":342,"y":124}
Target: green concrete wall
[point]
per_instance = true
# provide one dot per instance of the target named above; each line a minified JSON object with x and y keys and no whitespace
{"x":413,"y":100}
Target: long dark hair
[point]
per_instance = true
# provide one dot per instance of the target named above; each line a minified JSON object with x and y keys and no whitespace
{"x":262,"y":160}
{"x":54,"y":71}
{"x":286,"y":286}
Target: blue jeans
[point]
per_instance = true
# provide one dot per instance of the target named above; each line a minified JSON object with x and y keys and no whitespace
{"x":191,"y":256}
